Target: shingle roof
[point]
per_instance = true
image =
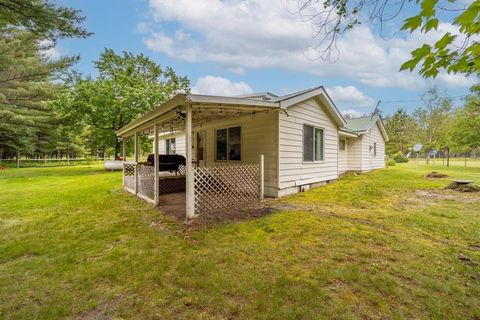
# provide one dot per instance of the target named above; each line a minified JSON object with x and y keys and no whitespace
{"x":361,"y":124}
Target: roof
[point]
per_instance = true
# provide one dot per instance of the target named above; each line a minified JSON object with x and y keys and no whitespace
{"x":267,"y":100}
{"x":363,"y":124}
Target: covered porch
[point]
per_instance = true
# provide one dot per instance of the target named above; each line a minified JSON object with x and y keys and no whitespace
{"x":231,"y":179}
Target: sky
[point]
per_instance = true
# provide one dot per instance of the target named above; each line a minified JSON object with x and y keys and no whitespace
{"x":234,"y":47}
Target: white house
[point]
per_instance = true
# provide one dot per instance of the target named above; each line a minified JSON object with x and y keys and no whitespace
{"x":303,"y":138}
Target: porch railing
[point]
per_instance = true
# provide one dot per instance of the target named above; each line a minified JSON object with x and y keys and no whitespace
{"x":225,"y":186}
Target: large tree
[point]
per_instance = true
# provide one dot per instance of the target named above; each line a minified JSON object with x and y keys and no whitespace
{"x":466,"y":128}
{"x":402,"y":131}
{"x":457,"y":51}
{"x":43,"y":18}
{"x":434,"y":119}
{"x":128,"y":85}
{"x":25,"y":89}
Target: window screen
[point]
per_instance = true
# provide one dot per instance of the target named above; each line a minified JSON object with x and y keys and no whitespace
{"x":229,"y":144}
{"x":307,"y":143}
{"x":312,"y":143}
{"x":170,"y":146}
{"x":341,"y":144}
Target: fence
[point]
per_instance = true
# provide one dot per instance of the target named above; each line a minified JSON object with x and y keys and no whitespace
{"x":225,"y":186}
{"x":28,"y":163}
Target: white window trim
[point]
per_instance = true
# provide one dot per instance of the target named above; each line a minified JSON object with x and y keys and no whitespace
{"x":241,"y":143}
{"x":303,"y":148}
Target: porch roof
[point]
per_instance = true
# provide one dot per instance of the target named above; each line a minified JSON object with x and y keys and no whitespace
{"x":206,"y":108}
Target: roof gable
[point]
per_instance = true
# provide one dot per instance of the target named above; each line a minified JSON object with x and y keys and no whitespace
{"x":317,"y":93}
{"x":363,"y":124}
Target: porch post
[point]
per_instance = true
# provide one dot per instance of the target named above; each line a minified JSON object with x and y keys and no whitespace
{"x":262,"y":177}
{"x":135,"y":152}
{"x":156,"y":164}
{"x":123,"y":159}
{"x":189,"y":194}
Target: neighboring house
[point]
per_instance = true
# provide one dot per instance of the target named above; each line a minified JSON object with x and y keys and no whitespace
{"x":306,"y":142}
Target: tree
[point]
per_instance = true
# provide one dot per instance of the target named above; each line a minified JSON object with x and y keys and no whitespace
{"x":25,"y":87}
{"x":332,"y":18}
{"x":466,"y":127}
{"x":128,"y":85}
{"x":434,"y":119}
{"x":42,"y":18}
{"x":401,"y":129}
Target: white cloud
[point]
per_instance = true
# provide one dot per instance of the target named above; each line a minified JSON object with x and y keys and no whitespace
{"x":351,"y":113}
{"x":258,"y":34}
{"x":49,"y":49}
{"x":220,"y":86}
{"x":350,"y":97}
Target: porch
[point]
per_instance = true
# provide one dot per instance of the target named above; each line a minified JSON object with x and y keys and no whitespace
{"x":227,"y":182}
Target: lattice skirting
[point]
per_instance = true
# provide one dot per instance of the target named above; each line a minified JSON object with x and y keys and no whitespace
{"x":225,"y":186}
{"x":171,"y":184}
{"x":129,"y":175}
{"x":146,"y":181}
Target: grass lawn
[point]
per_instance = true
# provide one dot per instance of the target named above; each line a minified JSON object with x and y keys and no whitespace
{"x":387,"y":244}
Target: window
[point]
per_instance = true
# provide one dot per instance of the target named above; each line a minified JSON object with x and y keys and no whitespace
{"x":170,"y":146}
{"x":229,"y":145}
{"x":341,"y":144}
{"x":312,"y":143}
{"x":374,"y":148}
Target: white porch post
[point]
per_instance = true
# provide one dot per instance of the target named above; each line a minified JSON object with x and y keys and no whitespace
{"x":123,"y":159}
{"x":262,"y":177}
{"x":189,"y":194}
{"x":156,"y":165}
{"x":135,"y":151}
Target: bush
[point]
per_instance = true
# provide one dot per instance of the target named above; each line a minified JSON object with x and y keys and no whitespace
{"x":391,"y":162}
{"x":399,"y":157}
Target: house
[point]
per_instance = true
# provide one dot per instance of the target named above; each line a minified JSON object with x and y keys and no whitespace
{"x":296,"y":141}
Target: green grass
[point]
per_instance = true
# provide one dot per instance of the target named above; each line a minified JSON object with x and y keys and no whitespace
{"x":73,"y":245}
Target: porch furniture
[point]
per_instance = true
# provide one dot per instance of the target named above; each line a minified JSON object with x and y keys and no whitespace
{"x":168,"y":162}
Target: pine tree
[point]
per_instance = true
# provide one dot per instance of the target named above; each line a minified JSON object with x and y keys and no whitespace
{"x":25,"y":87}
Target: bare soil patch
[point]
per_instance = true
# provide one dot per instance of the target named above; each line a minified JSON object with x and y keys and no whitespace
{"x":436,"y":175}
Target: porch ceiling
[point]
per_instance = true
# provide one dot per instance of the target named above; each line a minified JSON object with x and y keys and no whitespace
{"x":170,"y":116}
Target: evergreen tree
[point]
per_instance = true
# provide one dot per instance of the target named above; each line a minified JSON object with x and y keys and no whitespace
{"x":401,"y":129}
{"x":25,"y":87}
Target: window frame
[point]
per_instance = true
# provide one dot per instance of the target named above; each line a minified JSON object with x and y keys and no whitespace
{"x":168,"y":143}
{"x":228,"y":142}
{"x":374,"y":149}
{"x":313,"y":141}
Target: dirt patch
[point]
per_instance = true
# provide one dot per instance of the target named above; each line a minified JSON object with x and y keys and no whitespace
{"x":103,"y":311}
{"x":173,"y":205}
{"x":436,"y":175}
{"x":463,"y":187}
{"x":425,"y":198}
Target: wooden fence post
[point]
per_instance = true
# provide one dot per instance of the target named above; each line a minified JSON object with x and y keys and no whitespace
{"x":262,"y":177}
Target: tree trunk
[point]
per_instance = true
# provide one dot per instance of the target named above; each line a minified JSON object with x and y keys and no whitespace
{"x":117,"y":148}
{"x":17,"y":155}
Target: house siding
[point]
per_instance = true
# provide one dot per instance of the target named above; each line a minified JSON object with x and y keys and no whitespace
{"x":293,"y":171}
{"x":354,"y":146}
{"x":369,"y":161}
{"x":181,"y":146}
{"x":259,"y":136}
{"x":343,"y":157}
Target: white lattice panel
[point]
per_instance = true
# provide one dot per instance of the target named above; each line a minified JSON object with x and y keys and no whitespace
{"x":146,"y":181}
{"x":225,"y":186}
{"x":129,"y":175}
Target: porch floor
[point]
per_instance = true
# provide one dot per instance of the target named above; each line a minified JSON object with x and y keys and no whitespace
{"x":173,"y":204}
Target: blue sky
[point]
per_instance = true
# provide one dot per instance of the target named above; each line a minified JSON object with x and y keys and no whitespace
{"x":235,"y":47}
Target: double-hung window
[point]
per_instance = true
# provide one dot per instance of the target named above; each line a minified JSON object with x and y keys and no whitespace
{"x":170,"y":146}
{"x":229,"y":144}
{"x":313,"y":141}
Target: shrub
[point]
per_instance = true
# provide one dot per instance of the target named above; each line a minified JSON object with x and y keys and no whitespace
{"x":399,"y":157}
{"x":391,"y":162}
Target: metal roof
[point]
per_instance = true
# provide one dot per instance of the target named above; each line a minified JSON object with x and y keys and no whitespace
{"x":361,"y":124}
